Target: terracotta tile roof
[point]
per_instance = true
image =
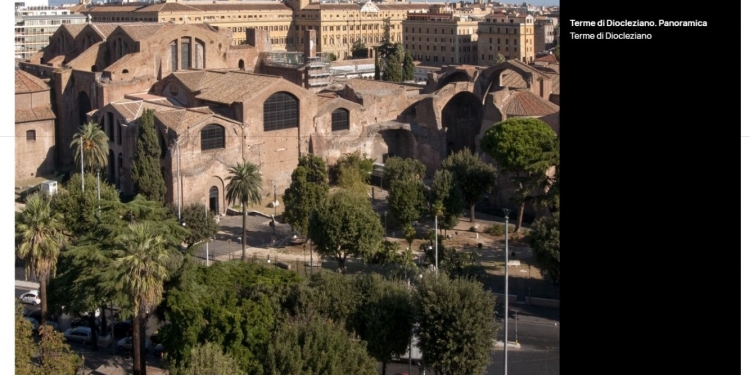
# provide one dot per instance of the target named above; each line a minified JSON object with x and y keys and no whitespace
{"x":406,"y":6}
{"x":231,"y":87}
{"x":78,"y":8}
{"x":57,"y":60}
{"x":512,"y":79}
{"x":142,"y":31}
{"x":170,"y":119}
{"x":73,"y":29}
{"x":26,"y":82}
{"x":555,"y":84}
{"x":202,"y":110}
{"x":526,"y":68}
{"x":35,"y":114}
{"x":129,"y":110}
{"x":87,"y":58}
{"x":167,"y":7}
{"x":526,"y":103}
{"x":113,"y":8}
{"x":104,"y":29}
{"x":338,"y":6}
{"x":191,"y":80}
{"x":241,"y":7}
{"x":548,"y":59}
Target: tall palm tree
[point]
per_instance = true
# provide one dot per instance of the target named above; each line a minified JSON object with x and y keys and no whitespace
{"x":95,"y":144}
{"x":141,"y":265}
{"x":39,"y":234}
{"x":245,"y":185}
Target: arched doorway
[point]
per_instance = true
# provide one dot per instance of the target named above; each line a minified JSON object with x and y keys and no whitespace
{"x":84,"y":107}
{"x":462,"y":121}
{"x":213,"y":200}
{"x":242,"y":64}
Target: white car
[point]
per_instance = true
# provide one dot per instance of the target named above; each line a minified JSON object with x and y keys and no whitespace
{"x":83,"y":335}
{"x":126,"y":344}
{"x":31,"y":297}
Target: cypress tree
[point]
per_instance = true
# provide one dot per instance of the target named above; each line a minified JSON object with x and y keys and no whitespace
{"x":408,"y":69}
{"x":147,"y":176}
{"x":392,"y":69}
{"x":377,"y":64}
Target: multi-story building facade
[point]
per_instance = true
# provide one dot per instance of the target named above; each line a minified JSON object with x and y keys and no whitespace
{"x":544,"y":33}
{"x":509,"y":35}
{"x":439,"y":37}
{"x":35,"y":129}
{"x":338,"y":25}
{"x":35,"y":25}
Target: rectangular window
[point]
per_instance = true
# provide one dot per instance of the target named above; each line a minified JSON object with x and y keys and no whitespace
{"x":173,"y":55}
{"x":185,"y":54}
{"x":30,"y":135}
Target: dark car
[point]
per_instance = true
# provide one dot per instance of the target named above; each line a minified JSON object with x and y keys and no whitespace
{"x":123,"y":329}
{"x":83,"y":322}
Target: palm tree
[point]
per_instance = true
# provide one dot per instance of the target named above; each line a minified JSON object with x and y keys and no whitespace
{"x":92,"y":144}
{"x":245,"y":185}
{"x":141,"y":263}
{"x":39,"y":234}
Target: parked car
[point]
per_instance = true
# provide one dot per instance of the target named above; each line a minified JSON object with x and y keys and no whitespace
{"x":84,"y":322}
{"x":126,"y":344}
{"x":31,"y":297}
{"x":84,"y":336}
{"x":123,"y":329}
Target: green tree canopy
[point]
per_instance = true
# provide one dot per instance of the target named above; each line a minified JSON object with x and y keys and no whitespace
{"x":308,"y":188}
{"x":447,"y":199}
{"x":199,"y":223}
{"x":473,"y":176}
{"x":95,"y":147}
{"x":359,"y":50}
{"x":408,"y":67}
{"x":208,"y":359}
{"x":353,"y":171}
{"x":545,"y":243}
{"x":456,"y":325}
{"x":392,"y":71}
{"x":524,"y":148}
{"x":147,"y":177}
{"x":51,"y":355}
{"x":499,"y":58}
{"x":79,"y":210}
{"x":316,"y":347}
{"x":406,"y":192}
{"x":388,"y":317}
{"x":39,"y":235}
{"x":232,"y":304}
{"x":142,"y":265}
{"x":245,"y":186}
{"x":345,"y":226}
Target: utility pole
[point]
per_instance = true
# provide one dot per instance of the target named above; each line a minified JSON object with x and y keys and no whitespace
{"x":505,"y":320}
{"x":206,"y":238}
{"x":81,"y":146}
{"x":436,"y":245}
{"x":179,"y":186}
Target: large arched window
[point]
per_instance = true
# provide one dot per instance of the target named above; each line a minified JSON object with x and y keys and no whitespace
{"x":280,"y":111}
{"x":212,"y":137}
{"x":340,"y":120}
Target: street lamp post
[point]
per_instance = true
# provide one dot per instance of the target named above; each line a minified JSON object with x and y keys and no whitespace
{"x":81,"y":147}
{"x":207,"y":239}
{"x":505,"y":320}
{"x":274,"y":200}
{"x":98,"y":191}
